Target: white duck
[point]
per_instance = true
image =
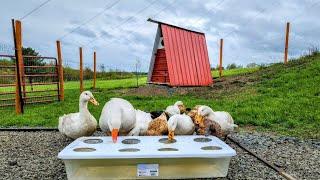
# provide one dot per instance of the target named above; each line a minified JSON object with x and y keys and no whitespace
{"x":118,"y":117}
{"x":180,"y":124}
{"x":177,"y":108}
{"x":224,"y":119}
{"x":142,"y":123}
{"x":82,"y":123}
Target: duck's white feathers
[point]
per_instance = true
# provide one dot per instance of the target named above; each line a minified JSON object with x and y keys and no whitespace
{"x":120,"y":111}
{"x":224,"y":119}
{"x":172,"y":110}
{"x":184,"y":124}
{"x":73,"y":126}
{"x":142,"y":123}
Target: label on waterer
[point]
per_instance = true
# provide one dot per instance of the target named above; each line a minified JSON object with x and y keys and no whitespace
{"x":147,"y":170}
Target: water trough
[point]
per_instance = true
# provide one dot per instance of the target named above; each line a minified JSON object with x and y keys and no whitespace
{"x":146,"y":157}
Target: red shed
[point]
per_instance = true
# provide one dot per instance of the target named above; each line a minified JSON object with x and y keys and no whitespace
{"x":179,"y":57}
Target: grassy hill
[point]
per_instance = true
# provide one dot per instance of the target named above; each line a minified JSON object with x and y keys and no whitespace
{"x":284,"y":99}
{"x":234,"y":72}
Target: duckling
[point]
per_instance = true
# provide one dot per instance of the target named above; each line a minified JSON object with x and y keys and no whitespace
{"x":142,"y":123}
{"x":177,"y":108}
{"x":158,"y":126}
{"x":82,"y":123}
{"x":193,"y":112}
{"x":224,"y":119}
{"x":118,"y":117}
{"x":180,"y":124}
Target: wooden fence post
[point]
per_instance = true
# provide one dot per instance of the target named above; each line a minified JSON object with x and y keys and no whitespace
{"x":61,"y":80}
{"x":81,"y":70}
{"x":17,"y":36}
{"x":21,"y":60}
{"x":220,"y":58}
{"x":286,"y":43}
{"x":94,"y":69}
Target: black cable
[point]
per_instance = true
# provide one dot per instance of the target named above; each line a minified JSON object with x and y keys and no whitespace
{"x":311,"y":6}
{"x":35,"y":9}
{"x":246,"y":23}
{"x":125,"y":21}
{"x":211,"y":9}
{"x":140,"y":11}
{"x":107,"y":7}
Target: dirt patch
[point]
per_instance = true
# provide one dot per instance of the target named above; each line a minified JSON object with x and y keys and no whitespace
{"x":220,"y":86}
{"x":148,"y":90}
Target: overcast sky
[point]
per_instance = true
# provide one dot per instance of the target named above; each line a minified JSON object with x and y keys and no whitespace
{"x":117,"y":29}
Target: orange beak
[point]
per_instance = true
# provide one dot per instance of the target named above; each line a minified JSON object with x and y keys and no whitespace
{"x":170,"y":135}
{"x":114,"y":134}
{"x":94,"y":101}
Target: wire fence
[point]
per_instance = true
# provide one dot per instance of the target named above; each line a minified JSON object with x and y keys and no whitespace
{"x":7,"y":80}
{"x":39,"y":80}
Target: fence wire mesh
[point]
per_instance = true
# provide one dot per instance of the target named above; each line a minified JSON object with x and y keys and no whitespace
{"x":7,"y":80}
{"x":39,"y":80}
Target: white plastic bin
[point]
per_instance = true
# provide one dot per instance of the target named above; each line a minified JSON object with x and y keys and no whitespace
{"x":145,"y":157}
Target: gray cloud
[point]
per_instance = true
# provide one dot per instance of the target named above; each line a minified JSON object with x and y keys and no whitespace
{"x":85,"y":32}
{"x":106,"y":34}
{"x":257,"y":28}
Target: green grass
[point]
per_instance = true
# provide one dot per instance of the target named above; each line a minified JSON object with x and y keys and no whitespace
{"x":284,"y":99}
{"x":108,"y":84}
{"x":47,"y":114}
{"x":234,"y":72}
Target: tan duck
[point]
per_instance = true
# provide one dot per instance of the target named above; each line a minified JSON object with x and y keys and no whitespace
{"x":158,"y":126}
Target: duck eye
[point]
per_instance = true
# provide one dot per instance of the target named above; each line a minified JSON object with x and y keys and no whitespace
{"x":85,"y":93}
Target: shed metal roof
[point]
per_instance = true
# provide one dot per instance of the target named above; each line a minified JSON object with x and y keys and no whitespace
{"x":160,"y":22}
{"x":186,"y":55}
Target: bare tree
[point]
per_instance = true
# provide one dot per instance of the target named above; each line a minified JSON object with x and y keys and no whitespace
{"x":138,"y":66}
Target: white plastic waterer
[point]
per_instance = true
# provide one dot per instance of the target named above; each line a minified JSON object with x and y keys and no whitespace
{"x":139,"y":157}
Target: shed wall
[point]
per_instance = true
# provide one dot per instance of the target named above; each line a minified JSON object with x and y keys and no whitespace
{"x":160,"y":69}
{"x":187,"y":57}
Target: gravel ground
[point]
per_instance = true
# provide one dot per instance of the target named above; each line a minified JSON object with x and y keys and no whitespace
{"x":33,"y":155}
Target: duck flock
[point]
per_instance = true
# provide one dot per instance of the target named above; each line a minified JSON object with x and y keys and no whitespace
{"x":119,"y":117}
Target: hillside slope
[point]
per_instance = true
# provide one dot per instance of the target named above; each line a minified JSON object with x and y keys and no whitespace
{"x":280,"y":98}
{"x":284,"y":99}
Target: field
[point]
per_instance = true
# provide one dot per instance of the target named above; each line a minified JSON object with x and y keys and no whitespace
{"x":233,"y":72}
{"x":108,"y":84}
{"x":284,"y":99}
